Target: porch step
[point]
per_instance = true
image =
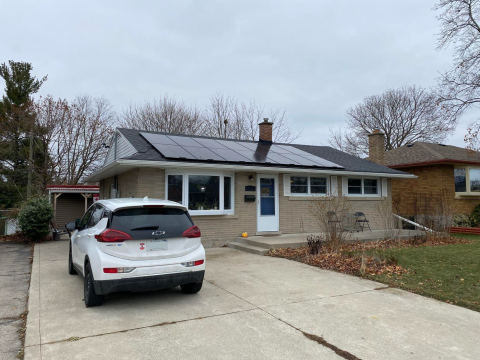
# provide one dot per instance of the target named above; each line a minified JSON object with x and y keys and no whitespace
{"x":248,"y":248}
{"x":271,"y":242}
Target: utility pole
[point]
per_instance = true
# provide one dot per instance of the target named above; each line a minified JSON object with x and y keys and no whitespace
{"x":30,"y":160}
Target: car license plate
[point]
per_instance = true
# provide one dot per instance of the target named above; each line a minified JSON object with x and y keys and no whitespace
{"x":154,"y":245}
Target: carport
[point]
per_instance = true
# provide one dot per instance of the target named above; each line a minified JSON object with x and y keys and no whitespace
{"x":70,"y":202}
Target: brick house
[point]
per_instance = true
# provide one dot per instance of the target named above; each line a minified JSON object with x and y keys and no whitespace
{"x":446,"y":171}
{"x":233,"y":186}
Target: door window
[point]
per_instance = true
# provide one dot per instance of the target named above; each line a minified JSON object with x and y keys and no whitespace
{"x":267,"y":196}
{"x":83,"y":224}
{"x":96,"y":216}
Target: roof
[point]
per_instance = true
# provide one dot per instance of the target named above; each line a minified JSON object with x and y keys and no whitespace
{"x":423,"y":153}
{"x":145,"y":151}
{"x":114,"y":204}
{"x":73,"y":188}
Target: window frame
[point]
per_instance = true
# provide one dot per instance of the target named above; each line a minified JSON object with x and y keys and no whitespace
{"x":469,"y":192}
{"x":363,"y":178}
{"x":185,"y":190}
{"x":309,"y":192}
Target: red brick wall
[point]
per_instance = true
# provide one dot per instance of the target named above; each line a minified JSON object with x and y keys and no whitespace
{"x":433,"y":180}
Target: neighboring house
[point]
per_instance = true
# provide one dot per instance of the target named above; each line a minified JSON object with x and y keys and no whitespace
{"x":443,"y":172}
{"x":70,"y":202}
{"x":233,"y":186}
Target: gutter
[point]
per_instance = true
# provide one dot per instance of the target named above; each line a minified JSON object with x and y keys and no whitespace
{"x":171,"y":164}
{"x":434,"y":162}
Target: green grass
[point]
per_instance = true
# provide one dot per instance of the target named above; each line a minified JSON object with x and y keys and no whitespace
{"x":447,"y":273}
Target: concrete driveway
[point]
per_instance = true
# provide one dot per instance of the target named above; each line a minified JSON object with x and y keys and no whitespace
{"x":250,"y":307}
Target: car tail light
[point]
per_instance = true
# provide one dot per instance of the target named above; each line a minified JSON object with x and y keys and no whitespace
{"x":109,"y":235}
{"x":118,"y":270}
{"x":193,"y":263}
{"x":193,"y":232}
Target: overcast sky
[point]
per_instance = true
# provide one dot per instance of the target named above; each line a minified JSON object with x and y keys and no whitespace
{"x":313,"y":58}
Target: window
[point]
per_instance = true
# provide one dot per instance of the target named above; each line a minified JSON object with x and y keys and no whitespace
{"x":467,"y":180}
{"x":96,"y":215}
{"x":360,"y":186}
{"x":227,"y":193}
{"x":83,"y":224}
{"x":299,"y":185}
{"x":318,"y":185}
{"x":354,"y":186}
{"x":460,"y":180}
{"x":204,"y":193}
{"x":175,"y":183}
{"x":308,"y":185}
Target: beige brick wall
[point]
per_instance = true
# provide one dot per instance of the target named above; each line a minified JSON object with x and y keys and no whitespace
{"x":295,"y":216}
{"x":217,"y":230}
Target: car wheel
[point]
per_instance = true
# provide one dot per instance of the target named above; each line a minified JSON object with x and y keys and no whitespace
{"x":192,"y":288}
{"x":71,"y":269}
{"x":90,"y":296}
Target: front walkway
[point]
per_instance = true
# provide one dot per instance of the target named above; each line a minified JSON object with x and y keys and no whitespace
{"x":260,"y":245}
{"x":250,"y":307}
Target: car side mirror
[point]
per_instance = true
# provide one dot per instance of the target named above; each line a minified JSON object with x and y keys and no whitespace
{"x":71,"y":226}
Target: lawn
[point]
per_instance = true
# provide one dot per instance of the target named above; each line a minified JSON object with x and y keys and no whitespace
{"x":448,"y":273}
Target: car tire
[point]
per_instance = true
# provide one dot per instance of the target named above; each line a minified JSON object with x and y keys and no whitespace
{"x":71,"y":269}
{"x":192,"y":288}
{"x":90,"y":296}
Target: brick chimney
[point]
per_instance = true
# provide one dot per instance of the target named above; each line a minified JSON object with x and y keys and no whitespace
{"x":376,"y":147}
{"x":265,"y":130}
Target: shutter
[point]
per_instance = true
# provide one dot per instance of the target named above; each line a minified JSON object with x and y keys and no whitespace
{"x":286,"y":185}
{"x":384,"y":187}
{"x":333,"y":186}
{"x":344,"y":186}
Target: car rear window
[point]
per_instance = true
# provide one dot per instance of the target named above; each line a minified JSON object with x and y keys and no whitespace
{"x":148,"y":223}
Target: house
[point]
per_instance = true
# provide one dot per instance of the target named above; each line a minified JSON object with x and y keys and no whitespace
{"x":448,"y":174}
{"x":70,"y":202}
{"x":233,"y":186}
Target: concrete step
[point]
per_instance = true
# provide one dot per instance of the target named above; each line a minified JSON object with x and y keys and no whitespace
{"x":248,"y":248}
{"x":271,"y":242}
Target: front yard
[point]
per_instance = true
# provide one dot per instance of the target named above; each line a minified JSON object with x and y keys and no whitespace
{"x":447,"y":271}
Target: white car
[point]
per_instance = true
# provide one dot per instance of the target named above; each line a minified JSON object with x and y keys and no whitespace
{"x":135,"y":245}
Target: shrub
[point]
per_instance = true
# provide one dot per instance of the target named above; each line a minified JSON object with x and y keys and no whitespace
{"x":475,"y":217}
{"x":462,"y":220}
{"x":34,"y":218}
{"x":315,"y":244}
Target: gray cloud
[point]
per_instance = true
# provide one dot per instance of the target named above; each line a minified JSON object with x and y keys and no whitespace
{"x":314,"y":58}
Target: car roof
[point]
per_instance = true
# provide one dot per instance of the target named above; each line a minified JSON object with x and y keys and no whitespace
{"x":121,"y":203}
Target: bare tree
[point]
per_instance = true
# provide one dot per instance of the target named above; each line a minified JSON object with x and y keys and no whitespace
{"x":71,"y":137}
{"x":164,"y":114}
{"x":405,"y":115}
{"x":243,"y":119}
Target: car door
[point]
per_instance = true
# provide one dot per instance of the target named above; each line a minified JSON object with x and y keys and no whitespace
{"x":90,"y":231}
{"x":82,"y":231}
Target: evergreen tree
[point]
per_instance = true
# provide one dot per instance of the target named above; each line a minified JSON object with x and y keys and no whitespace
{"x":17,"y":120}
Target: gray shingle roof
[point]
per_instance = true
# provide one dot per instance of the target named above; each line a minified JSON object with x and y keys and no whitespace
{"x":145,"y":151}
{"x":420,"y":152}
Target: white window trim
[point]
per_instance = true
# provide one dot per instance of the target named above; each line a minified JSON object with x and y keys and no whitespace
{"x":467,"y":180}
{"x":379,"y":187}
{"x":309,"y":193}
{"x":185,"y":184}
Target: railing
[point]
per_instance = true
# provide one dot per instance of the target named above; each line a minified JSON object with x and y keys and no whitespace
{"x":412,"y":223}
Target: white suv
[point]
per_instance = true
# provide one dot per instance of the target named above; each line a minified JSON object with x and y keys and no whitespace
{"x":135,"y":245}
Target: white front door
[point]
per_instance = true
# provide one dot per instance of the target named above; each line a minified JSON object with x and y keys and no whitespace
{"x":267,"y":203}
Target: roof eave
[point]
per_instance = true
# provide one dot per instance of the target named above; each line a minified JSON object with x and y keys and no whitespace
{"x":434,"y":162}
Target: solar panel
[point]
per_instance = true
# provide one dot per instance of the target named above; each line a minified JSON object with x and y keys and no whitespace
{"x":158,"y":139}
{"x":202,"y":153}
{"x":184,"y":147}
{"x":183,"y":141}
{"x":173,"y":151}
{"x":210,"y":143}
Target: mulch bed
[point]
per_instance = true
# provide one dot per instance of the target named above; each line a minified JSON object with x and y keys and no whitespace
{"x":19,"y":238}
{"x":351,"y":258}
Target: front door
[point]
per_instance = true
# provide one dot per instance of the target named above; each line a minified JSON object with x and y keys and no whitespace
{"x":267,"y":204}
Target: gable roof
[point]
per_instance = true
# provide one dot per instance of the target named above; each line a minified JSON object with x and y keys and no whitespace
{"x":144,"y":152}
{"x":423,"y":153}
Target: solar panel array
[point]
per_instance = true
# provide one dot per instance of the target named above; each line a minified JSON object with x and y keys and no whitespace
{"x":185,"y":147}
